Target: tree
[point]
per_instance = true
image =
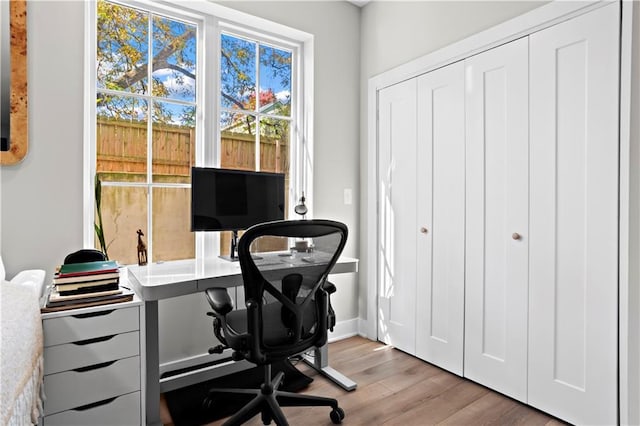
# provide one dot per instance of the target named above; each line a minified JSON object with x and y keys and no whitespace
{"x":123,"y":62}
{"x":124,"y":57}
{"x":238,"y":85}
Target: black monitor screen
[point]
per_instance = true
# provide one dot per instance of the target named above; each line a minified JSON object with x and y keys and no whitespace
{"x":227,"y":200}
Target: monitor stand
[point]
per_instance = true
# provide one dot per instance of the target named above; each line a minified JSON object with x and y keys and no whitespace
{"x":233,"y":256}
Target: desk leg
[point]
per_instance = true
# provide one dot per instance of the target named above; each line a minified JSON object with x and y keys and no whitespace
{"x":153,"y":363}
{"x":320,"y":362}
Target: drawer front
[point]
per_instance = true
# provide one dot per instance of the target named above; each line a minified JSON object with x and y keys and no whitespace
{"x":75,"y":388}
{"x":90,"y":352}
{"x":121,"y":411}
{"x":72,"y":328}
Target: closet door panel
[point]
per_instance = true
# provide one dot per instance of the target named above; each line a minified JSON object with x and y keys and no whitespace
{"x":497,"y":219}
{"x":397,"y":216}
{"x":574,"y":218}
{"x":440,"y":221}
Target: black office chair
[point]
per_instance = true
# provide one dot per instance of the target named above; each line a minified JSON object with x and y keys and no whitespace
{"x":286,"y":309}
{"x":84,"y":255}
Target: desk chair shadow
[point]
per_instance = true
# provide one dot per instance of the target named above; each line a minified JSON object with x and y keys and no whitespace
{"x":287,"y":312}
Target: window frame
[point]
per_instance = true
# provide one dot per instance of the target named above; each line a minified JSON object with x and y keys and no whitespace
{"x":211,"y":21}
{"x":260,"y":40}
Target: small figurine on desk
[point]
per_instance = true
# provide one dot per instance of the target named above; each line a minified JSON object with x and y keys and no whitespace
{"x":142,"y":249}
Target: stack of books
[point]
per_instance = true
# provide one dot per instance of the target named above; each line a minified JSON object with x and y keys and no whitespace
{"x":80,"y":285}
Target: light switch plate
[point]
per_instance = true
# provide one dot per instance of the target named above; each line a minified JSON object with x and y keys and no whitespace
{"x":348,"y":197}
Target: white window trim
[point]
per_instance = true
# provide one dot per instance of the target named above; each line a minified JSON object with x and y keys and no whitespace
{"x":211,"y":19}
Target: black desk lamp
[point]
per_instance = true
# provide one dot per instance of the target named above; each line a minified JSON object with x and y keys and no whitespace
{"x":301,"y":208}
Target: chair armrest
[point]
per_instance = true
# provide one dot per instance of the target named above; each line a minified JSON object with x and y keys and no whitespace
{"x":329,"y":287}
{"x":219,"y":300}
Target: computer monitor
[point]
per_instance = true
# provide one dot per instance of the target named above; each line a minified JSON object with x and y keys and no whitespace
{"x":232,"y":200}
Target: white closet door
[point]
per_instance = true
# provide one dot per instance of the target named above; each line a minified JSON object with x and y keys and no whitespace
{"x":574,"y":218}
{"x":440,"y":195}
{"x":497,"y":219}
{"x":397,"y":215}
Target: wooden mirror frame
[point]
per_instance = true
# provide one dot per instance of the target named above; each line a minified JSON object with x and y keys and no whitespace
{"x":18,"y":124}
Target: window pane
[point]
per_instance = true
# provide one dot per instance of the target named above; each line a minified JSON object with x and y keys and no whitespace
{"x":274,"y":151}
{"x":238,"y":141}
{"x":275,"y":81}
{"x":174,"y":64}
{"x":124,"y":211}
{"x":237,"y":73}
{"x":121,"y":138}
{"x":122,"y":51}
{"x":173,"y":142}
{"x":274,"y":145}
{"x":151,"y":61}
{"x":172,"y":236}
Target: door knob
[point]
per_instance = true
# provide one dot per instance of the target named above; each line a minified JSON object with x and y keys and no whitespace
{"x":516,"y":236}
{"x":424,"y":230}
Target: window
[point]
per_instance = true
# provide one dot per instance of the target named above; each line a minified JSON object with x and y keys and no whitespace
{"x":255,"y":108}
{"x":155,"y":88}
{"x":255,"y":104}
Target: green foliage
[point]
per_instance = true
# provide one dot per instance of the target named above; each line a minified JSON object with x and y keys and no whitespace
{"x":98,"y":226}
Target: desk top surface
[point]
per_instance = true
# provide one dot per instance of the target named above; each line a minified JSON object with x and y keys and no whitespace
{"x":163,"y":280}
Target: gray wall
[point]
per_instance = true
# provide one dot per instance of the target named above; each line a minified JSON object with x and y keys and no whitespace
{"x":633,"y":307}
{"x":395,"y":32}
{"x":41,"y":209}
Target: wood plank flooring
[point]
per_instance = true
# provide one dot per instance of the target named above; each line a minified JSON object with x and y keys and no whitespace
{"x":397,"y":389}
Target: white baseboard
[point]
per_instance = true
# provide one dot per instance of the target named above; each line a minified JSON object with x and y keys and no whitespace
{"x":362,"y":329}
{"x":343,"y":330}
{"x":348,"y":328}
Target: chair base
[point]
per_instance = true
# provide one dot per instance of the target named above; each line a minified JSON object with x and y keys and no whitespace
{"x":268,"y":401}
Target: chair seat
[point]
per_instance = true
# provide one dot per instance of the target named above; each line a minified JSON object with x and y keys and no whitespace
{"x":275,"y":333}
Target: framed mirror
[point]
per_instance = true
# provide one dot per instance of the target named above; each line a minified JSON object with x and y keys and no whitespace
{"x":13,"y":82}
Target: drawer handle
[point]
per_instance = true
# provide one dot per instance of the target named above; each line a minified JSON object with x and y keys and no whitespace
{"x":93,"y":314}
{"x":94,"y":340}
{"x":93,"y":367}
{"x":95,"y":404}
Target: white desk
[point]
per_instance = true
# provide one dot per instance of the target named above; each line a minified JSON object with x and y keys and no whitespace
{"x":165,"y":280}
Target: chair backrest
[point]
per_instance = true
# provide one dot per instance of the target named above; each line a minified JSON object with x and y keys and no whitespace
{"x":286,"y":304}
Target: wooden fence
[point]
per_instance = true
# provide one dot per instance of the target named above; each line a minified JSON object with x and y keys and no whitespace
{"x":121,"y":157}
{"x":122,"y":152}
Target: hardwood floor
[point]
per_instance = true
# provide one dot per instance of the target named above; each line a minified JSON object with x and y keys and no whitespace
{"x":397,"y":389}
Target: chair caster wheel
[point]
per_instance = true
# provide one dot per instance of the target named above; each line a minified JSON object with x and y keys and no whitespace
{"x":337,"y":415}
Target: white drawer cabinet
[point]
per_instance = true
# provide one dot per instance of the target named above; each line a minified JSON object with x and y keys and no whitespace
{"x":92,"y":366}
{"x":74,"y":355}
{"x":122,"y":410}
{"x":79,"y":325}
